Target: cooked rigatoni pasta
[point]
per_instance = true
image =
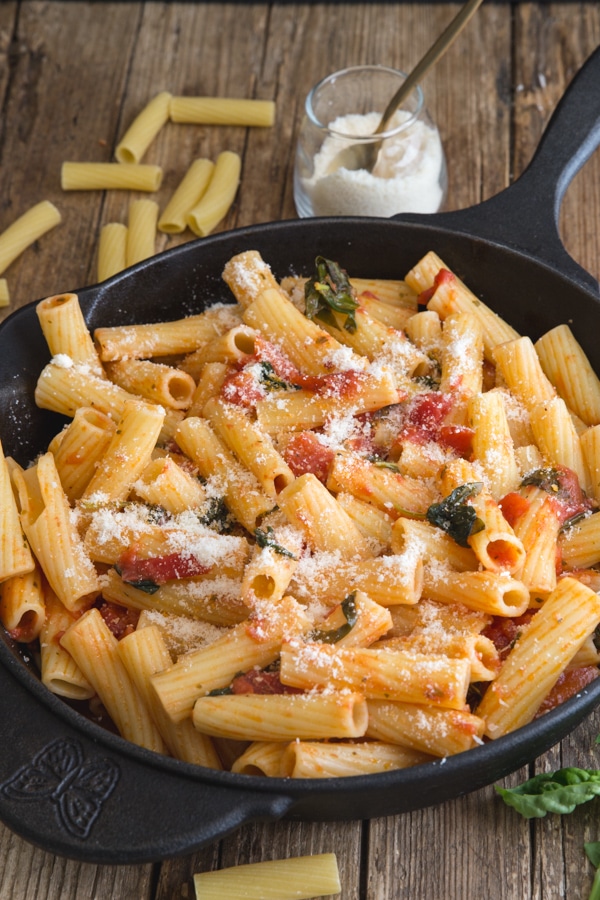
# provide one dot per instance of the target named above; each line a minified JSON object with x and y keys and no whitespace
{"x":52,"y":534}
{"x":15,"y":555}
{"x":59,"y":671}
{"x":569,"y":370}
{"x":66,"y":332}
{"x":22,"y":605}
{"x":314,"y":533}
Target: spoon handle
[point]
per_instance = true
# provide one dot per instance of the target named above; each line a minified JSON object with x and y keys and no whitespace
{"x":431,"y":57}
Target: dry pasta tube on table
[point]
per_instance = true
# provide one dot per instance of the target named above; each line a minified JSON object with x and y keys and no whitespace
{"x":141,"y":230}
{"x":25,"y":230}
{"x":222,"y":111}
{"x":4,"y":292}
{"x":173,"y":219}
{"x":297,"y":878}
{"x":215,"y":202}
{"x":144,"y":129}
{"x":112,"y":250}
{"x":97,"y":176}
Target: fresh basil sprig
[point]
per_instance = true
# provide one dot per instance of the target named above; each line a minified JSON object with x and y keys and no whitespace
{"x":329,"y":291}
{"x":454,"y":515}
{"x":557,"y":792}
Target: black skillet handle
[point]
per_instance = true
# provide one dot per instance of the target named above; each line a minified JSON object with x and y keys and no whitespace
{"x":525,"y":215}
{"x":71,"y":795}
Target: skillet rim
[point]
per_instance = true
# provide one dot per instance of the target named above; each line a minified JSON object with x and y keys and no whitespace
{"x":561,"y":720}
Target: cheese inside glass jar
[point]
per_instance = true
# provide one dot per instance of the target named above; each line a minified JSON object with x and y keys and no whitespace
{"x":346,"y":107}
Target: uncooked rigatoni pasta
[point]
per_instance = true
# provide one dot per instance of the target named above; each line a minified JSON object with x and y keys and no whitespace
{"x":352,"y":537}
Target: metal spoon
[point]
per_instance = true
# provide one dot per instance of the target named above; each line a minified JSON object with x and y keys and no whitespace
{"x":364,"y":155}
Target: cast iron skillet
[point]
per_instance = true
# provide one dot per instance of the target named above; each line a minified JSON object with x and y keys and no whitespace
{"x":77,"y":790}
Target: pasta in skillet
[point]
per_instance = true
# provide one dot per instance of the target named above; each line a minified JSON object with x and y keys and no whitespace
{"x":314,"y":533}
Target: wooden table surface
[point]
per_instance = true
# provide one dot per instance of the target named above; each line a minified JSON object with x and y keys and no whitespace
{"x":72,"y":77}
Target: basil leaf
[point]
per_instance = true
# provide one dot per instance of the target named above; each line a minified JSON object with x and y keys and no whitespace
{"x":215,"y":515}
{"x":558,"y":792}
{"x":595,"y":892}
{"x":332,"y":637}
{"x":547,"y":478}
{"x":147,"y":585}
{"x":266,"y":539}
{"x":454,"y":515}
{"x":593,"y":853}
{"x":328,"y":291}
{"x":271,"y":381}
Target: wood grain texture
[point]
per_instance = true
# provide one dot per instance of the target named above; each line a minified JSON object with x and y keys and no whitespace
{"x":72,"y":77}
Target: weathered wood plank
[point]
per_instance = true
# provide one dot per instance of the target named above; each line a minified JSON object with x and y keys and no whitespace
{"x":27,"y":873}
{"x":61,"y":105}
{"x":559,"y":38}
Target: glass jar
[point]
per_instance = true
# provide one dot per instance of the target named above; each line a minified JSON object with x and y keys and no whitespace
{"x":344,"y":109}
